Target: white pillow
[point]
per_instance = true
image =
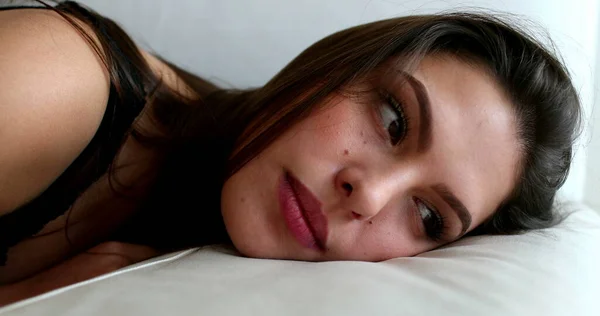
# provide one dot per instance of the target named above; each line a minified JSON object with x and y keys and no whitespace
{"x":553,"y":272}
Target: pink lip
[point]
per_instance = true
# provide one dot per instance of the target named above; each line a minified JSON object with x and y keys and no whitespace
{"x":302,"y":213}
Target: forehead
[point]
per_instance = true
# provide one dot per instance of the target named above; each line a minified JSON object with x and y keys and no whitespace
{"x":475,"y":148}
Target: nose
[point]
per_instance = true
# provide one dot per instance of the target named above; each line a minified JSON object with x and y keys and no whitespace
{"x":364,"y":195}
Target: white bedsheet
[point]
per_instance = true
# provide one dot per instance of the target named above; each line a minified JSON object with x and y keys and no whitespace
{"x":555,"y":272}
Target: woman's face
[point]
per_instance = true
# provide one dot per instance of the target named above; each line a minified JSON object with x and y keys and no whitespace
{"x":416,"y":168}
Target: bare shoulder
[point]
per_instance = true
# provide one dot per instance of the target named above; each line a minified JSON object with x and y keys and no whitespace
{"x":53,"y":94}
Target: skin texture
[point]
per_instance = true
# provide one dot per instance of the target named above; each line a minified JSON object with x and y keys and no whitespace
{"x":50,"y":109}
{"x":104,"y":258}
{"x":474,"y":152}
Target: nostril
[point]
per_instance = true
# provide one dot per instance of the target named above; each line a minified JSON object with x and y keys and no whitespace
{"x":356,"y":215}
{"x":347,"y":187}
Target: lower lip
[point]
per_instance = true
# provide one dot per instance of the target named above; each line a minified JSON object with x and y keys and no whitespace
{"x":294,"y":216}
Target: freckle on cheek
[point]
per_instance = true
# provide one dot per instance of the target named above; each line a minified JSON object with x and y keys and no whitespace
{"x":370,"y":222}
{"x":243,"y":200}
{"x":364,"y":142}
{"x":346,"y":152}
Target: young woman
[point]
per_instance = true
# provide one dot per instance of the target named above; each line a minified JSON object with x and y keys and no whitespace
{"x":383,"y":140}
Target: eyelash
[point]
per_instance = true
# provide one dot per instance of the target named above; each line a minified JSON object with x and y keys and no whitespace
{"x":398,"y":108}
{"x":436,"y":230}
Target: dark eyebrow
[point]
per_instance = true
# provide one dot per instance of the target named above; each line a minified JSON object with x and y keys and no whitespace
{"x":456,"y":205}
{"x":424,"y":140}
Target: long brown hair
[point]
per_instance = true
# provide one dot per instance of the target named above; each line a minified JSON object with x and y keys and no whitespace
{"x":207,"y":139}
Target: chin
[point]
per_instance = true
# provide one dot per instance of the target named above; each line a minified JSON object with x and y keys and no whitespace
{"x":249,"y":241}
{"x":248,"y":249}
{"x":260,"y":247}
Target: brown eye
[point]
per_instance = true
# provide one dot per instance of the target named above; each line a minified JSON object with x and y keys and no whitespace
{"x":432,"y":220}
{"x":393,"y":118}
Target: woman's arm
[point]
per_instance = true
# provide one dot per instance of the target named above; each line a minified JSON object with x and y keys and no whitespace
{"x":104,"y":258}
{"x":53,"y":93}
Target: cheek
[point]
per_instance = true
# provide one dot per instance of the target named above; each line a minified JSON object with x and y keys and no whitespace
{"x":391,"y":235}
{"x":344,"y":129}
{"x":244,"y":205}
{"x":381,"y":244}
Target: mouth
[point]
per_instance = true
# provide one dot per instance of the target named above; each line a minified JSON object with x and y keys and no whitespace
{"x":302,"y":213}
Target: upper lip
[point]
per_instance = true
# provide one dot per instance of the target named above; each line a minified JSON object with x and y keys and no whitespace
{"x":311,"y":207}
